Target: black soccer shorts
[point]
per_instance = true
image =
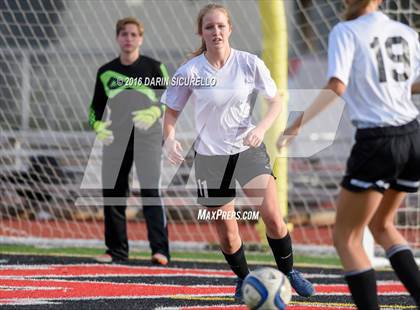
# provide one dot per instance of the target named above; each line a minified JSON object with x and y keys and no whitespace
{"x":385,"y":157}
{"x":216,"y":175}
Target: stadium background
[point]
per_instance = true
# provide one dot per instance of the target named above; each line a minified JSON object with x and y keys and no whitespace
{"x":49,"y":53}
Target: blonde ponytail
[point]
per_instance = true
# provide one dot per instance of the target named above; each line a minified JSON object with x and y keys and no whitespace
{"x":199,"y":50}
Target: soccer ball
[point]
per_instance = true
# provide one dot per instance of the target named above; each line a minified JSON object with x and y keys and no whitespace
{"x":266,"y":288}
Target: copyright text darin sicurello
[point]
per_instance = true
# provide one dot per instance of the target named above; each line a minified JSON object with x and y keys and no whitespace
{"x":165,"y":82}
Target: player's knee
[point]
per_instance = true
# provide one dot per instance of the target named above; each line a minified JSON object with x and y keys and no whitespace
{"x":347,"y":241}
{"x":230,"y":242}
{"x":275,"y":228}
{"x":341,"y":240}
{"x":380,"y":228}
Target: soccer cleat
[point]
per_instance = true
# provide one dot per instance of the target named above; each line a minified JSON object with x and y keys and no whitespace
{"x":104,"y":258}
{"x":238,"y":289}
{"x":159,"y":259}
{"x":302,"y":286}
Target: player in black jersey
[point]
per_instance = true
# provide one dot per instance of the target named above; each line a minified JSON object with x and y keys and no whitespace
{"x":125,"y":114}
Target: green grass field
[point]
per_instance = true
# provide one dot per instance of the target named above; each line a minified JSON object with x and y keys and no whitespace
{"x":208,"y":256}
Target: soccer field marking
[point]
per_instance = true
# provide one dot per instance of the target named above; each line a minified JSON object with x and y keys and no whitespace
{"x":291,"y":306}
{"x":26,"y":302}
{"x":98,"y":270}
{"x":224,"y":307}
{"x":383,"y":288}
{"x":203,"y":298}
{"x":319,"y":305}
{"x":22,"y":285}
{"x":322,"y":276}
{"x":27,"y":288}
{"x":95,"y":270}
{"x":65,"y":290}
{"x":336,"y":305}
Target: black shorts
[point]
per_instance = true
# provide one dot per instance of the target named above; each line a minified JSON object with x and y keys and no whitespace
{"x":216,"y":175}
{"x":385,"y":157}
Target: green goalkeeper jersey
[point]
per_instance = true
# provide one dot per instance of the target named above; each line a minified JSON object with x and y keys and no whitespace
{"x":127,"y":88}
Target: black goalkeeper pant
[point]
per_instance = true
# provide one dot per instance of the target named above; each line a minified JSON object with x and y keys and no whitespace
{"x":116,"y":165}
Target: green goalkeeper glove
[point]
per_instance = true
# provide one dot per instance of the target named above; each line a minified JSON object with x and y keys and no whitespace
{"x":102,"y":132}
{"x":144,"y":119}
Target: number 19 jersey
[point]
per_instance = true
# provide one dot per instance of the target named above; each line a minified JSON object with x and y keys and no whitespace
{"x":378,"y":59}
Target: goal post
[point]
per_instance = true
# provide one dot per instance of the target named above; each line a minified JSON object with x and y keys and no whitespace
{"x":275,"y":56}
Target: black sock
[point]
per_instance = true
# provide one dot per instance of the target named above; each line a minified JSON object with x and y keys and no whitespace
{"x":404,"y":265}
{"x":283,"y":252}
{"x":362,"y":285}
{"x":237,"y":262}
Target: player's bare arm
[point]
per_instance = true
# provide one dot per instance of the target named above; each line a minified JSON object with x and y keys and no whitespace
{"x":173,"y":148}
{"x":256,"y":136}
{"x":335,"y":88}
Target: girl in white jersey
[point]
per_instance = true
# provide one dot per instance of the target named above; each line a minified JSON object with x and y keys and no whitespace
{"x":229,"y":147}
{"x":373,"y":62}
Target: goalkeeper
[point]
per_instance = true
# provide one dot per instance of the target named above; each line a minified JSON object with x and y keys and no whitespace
{"x":125,"y":114}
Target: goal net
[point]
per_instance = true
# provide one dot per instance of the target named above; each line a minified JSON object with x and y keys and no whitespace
{"x":49,"y":53}
{"x":314,"y":181}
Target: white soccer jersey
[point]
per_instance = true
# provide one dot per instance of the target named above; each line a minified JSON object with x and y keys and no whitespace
{"x":378,"y":59}
{"x":222,"y":112}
